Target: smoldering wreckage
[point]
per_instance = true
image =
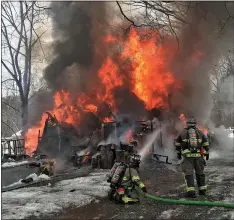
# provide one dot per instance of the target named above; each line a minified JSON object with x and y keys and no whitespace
{"x":114,"y":108}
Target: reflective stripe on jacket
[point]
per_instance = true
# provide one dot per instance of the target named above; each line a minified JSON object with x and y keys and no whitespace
{"x":183,"y":146}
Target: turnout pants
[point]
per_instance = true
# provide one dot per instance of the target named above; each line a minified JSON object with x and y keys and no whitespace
{"x":188,"y":166}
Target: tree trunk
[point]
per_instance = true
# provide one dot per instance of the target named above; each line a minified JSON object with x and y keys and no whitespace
{"x":24,"y":116}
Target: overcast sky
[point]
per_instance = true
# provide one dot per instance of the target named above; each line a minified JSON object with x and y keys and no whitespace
{"x":46,"y":39}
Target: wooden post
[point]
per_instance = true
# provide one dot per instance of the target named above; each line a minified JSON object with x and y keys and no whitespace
{"x":9,"y":147}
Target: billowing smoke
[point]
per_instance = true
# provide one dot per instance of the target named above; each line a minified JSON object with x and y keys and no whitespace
{"x":200,"y":44}
{"x":127,"y":102}
{"x":78,"y":46}
{"x":42,"y":101}
{"x":79,"y":51}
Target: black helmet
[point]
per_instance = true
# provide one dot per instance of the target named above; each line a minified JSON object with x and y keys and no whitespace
{"x":134,"y":160}
{"x":191,"y":122}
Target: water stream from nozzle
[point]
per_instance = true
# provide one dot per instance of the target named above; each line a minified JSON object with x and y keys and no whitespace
{"x":149,"y":142}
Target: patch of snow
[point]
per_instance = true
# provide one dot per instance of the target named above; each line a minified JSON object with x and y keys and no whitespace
{"x":228,"y":215}
{"x":44,"y":200}
{"x":34,"y":176}
{"x":212,"y":209}
{"x":166,"y":214}
{"x":18,"y":133}
{"x":170,"y":213}
{"x":217,"y":179}
{"x":14,"y":164}
{"x":231,"y":135}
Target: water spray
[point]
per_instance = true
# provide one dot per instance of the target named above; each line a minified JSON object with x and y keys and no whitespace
{"x":150,"y":140}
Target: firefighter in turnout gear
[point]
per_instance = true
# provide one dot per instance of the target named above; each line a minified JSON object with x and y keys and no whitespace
{"x":124,"y":179}
{"x":193,"y":145}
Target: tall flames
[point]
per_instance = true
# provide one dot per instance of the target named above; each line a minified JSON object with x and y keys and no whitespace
{"x":146,"y":67}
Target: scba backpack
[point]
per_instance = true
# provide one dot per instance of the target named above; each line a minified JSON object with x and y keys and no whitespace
{"x":193,"y":140}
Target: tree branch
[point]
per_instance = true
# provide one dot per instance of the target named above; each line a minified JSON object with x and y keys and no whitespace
{"x":7,"y":80}
{"x":12,"y":107}
{"x":10,"y":128}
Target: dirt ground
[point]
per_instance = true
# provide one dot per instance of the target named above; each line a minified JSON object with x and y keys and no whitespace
{"x":167,"y":181}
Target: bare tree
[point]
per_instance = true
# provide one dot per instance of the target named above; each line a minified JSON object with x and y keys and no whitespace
{"x":167,"y":17}
{"x":21,"y":23}
{"x":222,"y":77}
{"x":11,"y":115}
{"x":163,"y":17}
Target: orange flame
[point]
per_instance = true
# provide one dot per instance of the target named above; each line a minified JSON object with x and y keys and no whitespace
{"x":109,"y":77}
{"x":108,"y":119}
{"x":151,"y":78}
{"x":148,"y":75}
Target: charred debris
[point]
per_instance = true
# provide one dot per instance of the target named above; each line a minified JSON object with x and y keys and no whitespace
{"x":62,"y":141}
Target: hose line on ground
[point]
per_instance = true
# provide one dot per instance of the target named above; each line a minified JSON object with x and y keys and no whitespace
{"x":189,"y":202}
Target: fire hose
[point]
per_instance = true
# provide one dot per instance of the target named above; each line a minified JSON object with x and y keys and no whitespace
{"x":189,"y":202}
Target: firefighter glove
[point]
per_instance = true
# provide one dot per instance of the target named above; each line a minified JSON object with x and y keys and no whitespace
{"x":179,"y":156}
{"x":207,"y":156}
{"x":108,"y":180}
{"x":144,"y":189}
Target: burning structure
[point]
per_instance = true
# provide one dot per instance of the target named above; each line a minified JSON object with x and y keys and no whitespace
{"x":97,"y":73}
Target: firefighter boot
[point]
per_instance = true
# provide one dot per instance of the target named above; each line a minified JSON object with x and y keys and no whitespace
{"x":201,"y":184}
{"x":202,"y":192}
{"x":190,"y":186}
{"x":191,"y":194}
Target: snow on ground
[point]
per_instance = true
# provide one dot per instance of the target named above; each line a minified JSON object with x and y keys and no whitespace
{"x":168,"y":214}
{"x":231,"y":135}
{"x":34,"y":176}
{"x":45,"y":200}
{"x":14,"y":164}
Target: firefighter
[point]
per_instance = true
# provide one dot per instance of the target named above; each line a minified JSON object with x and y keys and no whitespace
{"x":124,"y":179}
{"x":44,"y":166}
{"x":47,"y":168}
{"x":190,"y":143}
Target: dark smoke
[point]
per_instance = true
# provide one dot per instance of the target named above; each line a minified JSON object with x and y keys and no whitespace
{"x":80,"y":51}
{"x":42,"y":101}
{"x":78,"y":47}
{"x":128,"y":103}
